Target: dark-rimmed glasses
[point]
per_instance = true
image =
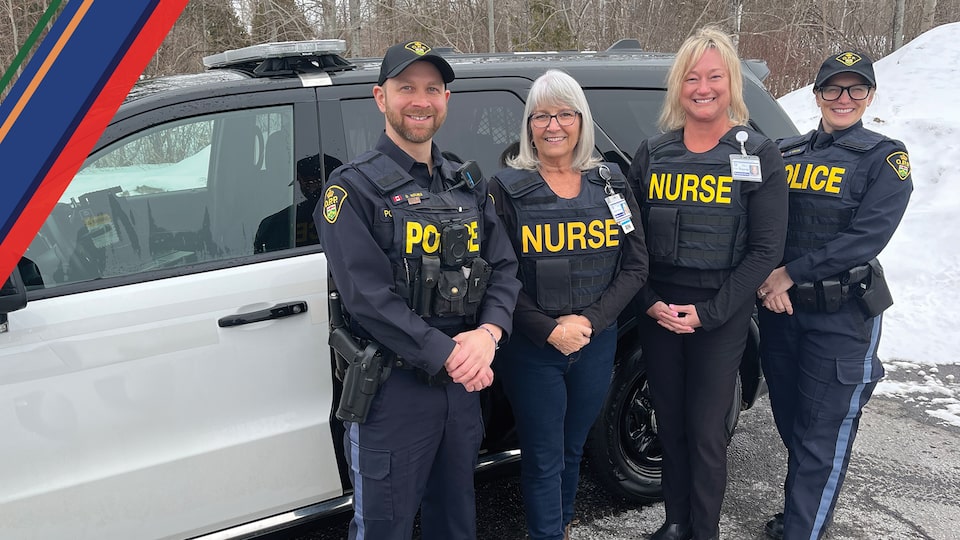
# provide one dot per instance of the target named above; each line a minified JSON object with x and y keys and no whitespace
{"x":857,"y":92}
{"x":564,"y":118}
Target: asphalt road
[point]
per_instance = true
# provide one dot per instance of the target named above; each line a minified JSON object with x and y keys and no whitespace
{"x":903,"y":483}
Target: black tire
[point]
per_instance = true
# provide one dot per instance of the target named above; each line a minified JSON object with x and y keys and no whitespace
{"x":623,"y":449}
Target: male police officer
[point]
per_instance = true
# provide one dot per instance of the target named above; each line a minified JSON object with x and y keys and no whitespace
{"x":849,"y":188}
{"x":423,"y":267}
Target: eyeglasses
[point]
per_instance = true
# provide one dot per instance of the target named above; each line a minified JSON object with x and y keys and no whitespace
{"x":564,"y":118}
{"x":857,"y":92}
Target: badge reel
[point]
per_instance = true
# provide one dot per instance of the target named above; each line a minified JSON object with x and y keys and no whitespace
{"x":742,"y":166}
{"x":615,"y":202}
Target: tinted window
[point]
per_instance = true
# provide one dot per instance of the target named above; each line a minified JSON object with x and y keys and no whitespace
{"x":187,"y":192}
{"x":626,"y":116}
{"x":479,"y":126}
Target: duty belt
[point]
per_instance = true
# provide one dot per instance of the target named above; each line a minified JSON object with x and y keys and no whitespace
{"x":440,"y":379}
{"x":830,"y":294}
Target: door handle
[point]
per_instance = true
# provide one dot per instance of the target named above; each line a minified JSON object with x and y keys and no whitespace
{"x":278,"y":311}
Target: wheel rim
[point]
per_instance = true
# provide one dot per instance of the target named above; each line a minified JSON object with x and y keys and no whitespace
{"x":639,"y":443}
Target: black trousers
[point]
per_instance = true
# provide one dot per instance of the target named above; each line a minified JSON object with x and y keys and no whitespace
{"x":692,"y":380}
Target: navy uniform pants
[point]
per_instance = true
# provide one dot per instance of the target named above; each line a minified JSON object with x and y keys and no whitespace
{"x":821,"y":369}
{"x":692,"y":379}
{"x":417,"y":450}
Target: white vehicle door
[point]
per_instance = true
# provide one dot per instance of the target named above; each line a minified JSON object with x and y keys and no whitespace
{"x":170,"y":374}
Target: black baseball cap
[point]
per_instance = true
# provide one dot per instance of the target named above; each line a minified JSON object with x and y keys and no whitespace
{"x":846,"y":62}
{"x":402,"y":55}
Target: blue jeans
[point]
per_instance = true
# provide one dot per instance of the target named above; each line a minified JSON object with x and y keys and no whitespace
{"x":555,"y":400}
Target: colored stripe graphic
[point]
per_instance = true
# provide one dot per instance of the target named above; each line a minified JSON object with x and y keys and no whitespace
{"x":27,"y":45}
{"x":63,"y":101}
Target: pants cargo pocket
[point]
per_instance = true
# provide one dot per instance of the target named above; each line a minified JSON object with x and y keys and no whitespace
{"x":373,"y":488}
{"x":855,"y":380}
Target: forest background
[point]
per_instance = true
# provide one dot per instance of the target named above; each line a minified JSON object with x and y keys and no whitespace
{"x":792,"y":36}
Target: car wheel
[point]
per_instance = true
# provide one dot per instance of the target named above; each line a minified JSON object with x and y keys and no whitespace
{"x":624,"y":452}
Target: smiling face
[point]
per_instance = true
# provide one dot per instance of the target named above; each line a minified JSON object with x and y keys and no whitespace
{"x":555,"y":144}
{"x":705,"y":94}
{"x":844,"y":112}
{"x":414,"y":102}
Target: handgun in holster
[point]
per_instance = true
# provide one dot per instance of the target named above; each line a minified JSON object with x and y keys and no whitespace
{"x":365,"y":368}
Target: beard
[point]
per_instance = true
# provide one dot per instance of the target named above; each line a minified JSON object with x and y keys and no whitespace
{"x":418,"y":134}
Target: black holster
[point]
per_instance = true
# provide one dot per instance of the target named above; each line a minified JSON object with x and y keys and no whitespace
{"x":875,"y":297}
{"x":360,"y":365}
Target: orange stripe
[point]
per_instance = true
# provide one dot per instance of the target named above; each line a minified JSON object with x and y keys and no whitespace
{"x":44,"y":68}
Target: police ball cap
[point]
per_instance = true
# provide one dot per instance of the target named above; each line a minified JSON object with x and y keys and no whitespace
{"x":846,"y":62}
{"x":401,"y":55}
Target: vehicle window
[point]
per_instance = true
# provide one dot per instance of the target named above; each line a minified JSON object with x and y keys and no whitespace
{"x":626,"y":116}
{"x":187,"y":192}
{"x":479,"y":126}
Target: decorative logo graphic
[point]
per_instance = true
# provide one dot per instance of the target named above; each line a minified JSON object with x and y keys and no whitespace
{"x":333,"y":202}
{"x":417,"y":48}
{"x":849,"y":59}
{"x":900,"y":162}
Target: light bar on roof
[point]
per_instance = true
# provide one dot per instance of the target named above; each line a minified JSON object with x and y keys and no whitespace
{"x":275,"y":50}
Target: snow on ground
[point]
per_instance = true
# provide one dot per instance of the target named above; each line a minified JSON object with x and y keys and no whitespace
{"x":915,"y":104}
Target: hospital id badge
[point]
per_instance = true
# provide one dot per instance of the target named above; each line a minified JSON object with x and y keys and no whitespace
{"x":745,"y":168}
{"x":620,"y":212}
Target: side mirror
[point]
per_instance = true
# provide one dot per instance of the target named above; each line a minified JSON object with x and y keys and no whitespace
{"x":13,"y":295}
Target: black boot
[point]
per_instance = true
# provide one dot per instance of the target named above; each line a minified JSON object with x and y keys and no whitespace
{"x":774,"y":527}
{"x":673,"y":531}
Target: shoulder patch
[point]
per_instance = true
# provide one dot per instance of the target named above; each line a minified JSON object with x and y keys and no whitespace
{"x":333,"y":199}
{"x":900,"y":162}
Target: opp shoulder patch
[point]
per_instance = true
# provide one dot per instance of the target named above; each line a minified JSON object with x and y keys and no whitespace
{"x":900,"y":162}
{"x":332,"y":202}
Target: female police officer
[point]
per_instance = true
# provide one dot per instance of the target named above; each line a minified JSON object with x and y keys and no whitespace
{"x":714,"y":199}
{"x":582,"y":259}
{"x":849,"y":187}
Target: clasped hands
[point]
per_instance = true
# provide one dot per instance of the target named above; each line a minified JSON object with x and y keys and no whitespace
{"x":773,"y":291}
{"x":679,"y":319}
{"x":469,"y":362}
{"x":572,"y":333}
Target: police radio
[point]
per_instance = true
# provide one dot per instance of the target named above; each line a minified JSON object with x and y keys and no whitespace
{"x":468,"y":174}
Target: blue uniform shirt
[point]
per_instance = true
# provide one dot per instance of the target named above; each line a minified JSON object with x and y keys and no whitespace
{"x":364,"y":273}
{"x":880,"y":190}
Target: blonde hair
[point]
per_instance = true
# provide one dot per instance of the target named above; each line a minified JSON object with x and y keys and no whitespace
{"x":556,"y":88}
{"x":672,"y":116}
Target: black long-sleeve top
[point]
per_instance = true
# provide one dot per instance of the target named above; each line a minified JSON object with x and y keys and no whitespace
{"x":631,"y":274}
{"x":766,"y":203}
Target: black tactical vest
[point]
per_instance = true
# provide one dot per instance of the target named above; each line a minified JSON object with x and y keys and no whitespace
{"x":826,"y":186}
{"x":693,"y":212}
{"x":428,"y":237}
{"x":568,"y":248}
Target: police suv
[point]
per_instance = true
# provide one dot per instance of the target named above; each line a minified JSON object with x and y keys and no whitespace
{"x":164,"y":366}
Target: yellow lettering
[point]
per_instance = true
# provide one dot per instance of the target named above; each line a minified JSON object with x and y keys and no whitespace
{"x":414,"y":236}
{"x":657,"y":182}
{"x":815,"y":183}
{"x":554,"y":245}
{"x":835,"y":180}
{"x":472,"y":245}
{"x":708,"y":189}
{"x":806,"y":176}
{"x":690,"y":183}
{"x":613,"y":233}
{"x":532,"y":241}
{"x":792,"y":170}
{"x":724,"y":187}
{"x":431,"y":239}
{"x":576,"y":233}
{"x":596,"y":234}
